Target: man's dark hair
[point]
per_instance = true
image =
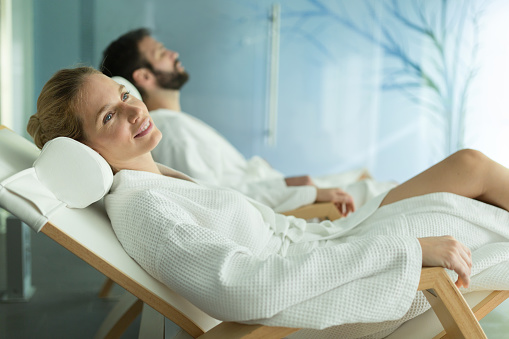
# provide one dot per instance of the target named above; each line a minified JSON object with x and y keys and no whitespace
{"x":122,"y":56}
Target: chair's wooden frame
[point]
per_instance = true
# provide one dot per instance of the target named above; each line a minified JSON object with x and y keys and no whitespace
{"x":458,"y":320}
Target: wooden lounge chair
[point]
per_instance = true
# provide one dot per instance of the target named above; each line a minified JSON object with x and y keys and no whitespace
{"x":87,"y":233}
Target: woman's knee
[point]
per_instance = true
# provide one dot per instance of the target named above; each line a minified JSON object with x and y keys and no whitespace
{"x":470,"y":159}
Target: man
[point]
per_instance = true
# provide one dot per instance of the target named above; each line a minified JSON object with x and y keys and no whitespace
{"x":191,"y":146}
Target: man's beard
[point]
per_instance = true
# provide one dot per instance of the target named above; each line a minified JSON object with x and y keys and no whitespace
{"x":171,"y":80}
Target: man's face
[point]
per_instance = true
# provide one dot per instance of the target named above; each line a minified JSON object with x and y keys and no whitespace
{"x":167,"y":68}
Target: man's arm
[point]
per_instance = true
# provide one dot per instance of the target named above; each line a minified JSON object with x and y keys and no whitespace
{"x":342,"y":200}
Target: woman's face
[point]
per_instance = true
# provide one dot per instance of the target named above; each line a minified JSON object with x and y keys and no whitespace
{"x":116,"y":124}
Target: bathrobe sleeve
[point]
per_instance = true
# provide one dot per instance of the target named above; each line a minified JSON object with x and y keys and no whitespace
{"x":371,"y":280}
{"x":277,"y":195}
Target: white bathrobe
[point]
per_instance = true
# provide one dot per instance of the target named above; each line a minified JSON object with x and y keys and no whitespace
{"x":239,"y":261}
{"x":196,"y":149}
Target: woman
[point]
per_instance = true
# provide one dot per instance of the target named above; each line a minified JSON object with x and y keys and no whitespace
{"x":239,"y":261}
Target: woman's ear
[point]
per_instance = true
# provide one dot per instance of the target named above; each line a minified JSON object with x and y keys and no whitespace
{"x":144,"y":78}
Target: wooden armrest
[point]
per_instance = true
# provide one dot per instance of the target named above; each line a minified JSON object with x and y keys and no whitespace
{"x":449,"y":305}
{"x":322,"y":210}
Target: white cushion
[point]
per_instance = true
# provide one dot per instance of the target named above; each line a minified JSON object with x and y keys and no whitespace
{"x":128,"y":85}
{"x":76,"y":174}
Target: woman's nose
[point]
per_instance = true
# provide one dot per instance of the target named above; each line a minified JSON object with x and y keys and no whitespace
{"x":133,"y":113}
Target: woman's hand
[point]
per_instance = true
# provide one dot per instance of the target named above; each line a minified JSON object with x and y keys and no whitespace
{"x":343,"y":201}
{"x":445,"y":251}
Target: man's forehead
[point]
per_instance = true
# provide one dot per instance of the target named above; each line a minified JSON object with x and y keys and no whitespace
{"x":148,"y":44}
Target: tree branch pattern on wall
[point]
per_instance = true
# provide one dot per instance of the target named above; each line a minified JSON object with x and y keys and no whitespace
{"x":434,"y":44}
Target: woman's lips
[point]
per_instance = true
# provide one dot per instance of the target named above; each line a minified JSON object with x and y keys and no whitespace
{"x":144,"y":129}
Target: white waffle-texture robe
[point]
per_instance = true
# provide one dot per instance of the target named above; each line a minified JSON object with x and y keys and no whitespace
{"x":192,"y":147}
{"x":237,"y":260}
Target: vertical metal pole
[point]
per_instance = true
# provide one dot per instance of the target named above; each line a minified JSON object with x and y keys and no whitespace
{"x":273,"y":75}
{"x":19,"y":262}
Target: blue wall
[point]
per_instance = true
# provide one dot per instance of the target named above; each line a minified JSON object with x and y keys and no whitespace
{"x":346,"y":99}
{"x":57,"y":38}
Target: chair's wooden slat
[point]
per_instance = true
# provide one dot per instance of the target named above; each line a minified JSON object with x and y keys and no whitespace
{"x":152,"y":324}
{"x":449,"y":305}
{"x":489,"y":303}
{"x":122,"y":315}
{"x":106,"y":288}
{"x":229,"y":330}
{"x":483,"y":308}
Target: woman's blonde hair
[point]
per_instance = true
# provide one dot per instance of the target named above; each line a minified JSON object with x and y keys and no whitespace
{"x":57,"y":104}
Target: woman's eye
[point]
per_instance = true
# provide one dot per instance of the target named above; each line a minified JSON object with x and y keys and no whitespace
{"x":125,"y":96}
{"x":107,"y":117}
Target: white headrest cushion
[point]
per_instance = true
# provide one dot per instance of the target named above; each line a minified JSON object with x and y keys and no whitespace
{"x":76,"y":174}
{"x":128,"y":85}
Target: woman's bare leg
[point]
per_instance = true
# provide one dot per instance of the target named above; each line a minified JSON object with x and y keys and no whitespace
{"x":467,"y":172}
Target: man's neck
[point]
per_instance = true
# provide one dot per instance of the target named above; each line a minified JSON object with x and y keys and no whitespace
{"x":163,"y":98}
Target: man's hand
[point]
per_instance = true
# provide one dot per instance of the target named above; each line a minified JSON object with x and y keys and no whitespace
{"x":342,"y":200}
{"x":447,"y":252}
{"x":304,"y":180}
